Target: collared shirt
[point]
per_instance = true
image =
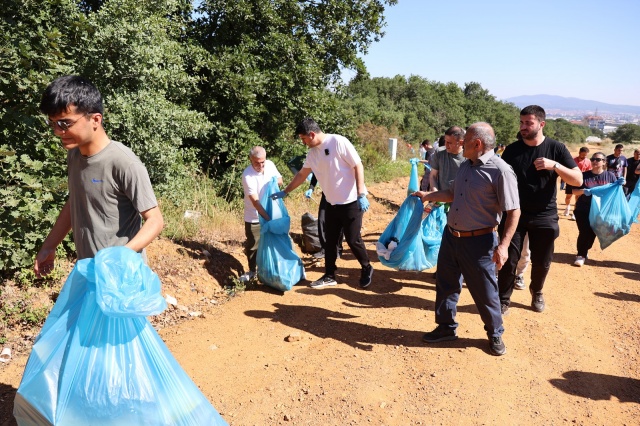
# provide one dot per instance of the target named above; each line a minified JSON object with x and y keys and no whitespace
{"x":482,"y":190}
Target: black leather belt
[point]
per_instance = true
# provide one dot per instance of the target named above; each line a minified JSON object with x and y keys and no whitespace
{"x":473,"y":233}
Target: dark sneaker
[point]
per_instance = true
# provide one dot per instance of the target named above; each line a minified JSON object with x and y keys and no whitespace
{"x":319,"y":254}
{"x":496,"y":346}
{"x":365,"y":276}
{"x":504,"y":308}
{"x":440,"y":334}
{"x":537,"y":302}
{"x":519,"y":283}
{"x":324,"y":281}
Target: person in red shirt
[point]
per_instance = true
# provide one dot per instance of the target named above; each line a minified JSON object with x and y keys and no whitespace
{"x":584,"y":164}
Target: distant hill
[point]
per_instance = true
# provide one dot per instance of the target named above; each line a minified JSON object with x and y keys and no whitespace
{"x":551,"y":102}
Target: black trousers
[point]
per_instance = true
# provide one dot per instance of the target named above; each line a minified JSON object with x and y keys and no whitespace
{"x":586,"y":236}
{"x":345,"y":218}
{"x":322,"y":220}
{"x":543,"y":230}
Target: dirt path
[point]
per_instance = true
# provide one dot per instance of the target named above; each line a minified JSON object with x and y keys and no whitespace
{"x":360,"y":358}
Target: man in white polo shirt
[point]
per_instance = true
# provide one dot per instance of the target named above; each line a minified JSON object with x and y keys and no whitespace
{"x":254,"y":179}
{"x":338,"y":168}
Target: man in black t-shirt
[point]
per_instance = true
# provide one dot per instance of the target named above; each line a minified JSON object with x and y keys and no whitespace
{"x":537,"y":162}
{"x":632,"y":172}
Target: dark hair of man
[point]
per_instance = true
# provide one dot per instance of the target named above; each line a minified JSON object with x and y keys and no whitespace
{"x":601,"y":154}
{"x":455,"y":131}
{"x":536,"y":110}
{"x":441,"y":141}
{"x":71,"y":90}
{"x":425,"y":142}
{"x":307,"y":125}
{"x":619,"y":146}
{"x":584,"y":149}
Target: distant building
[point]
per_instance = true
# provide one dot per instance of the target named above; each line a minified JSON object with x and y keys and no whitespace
{"x":609,"y":129}
{"x":594,"y":122}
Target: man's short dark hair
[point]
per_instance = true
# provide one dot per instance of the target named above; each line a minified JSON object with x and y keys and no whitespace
{"x":71,"y":90}
{"x":584,"y":149}
{"x":536,"y":110}
{"x":307,"y":125}
{"x":619,"y":146}
{"x":425,"y":142}
{"x":456,"y":131}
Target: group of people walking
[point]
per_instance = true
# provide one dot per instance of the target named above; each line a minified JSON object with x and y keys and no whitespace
{"x":501,"y":210}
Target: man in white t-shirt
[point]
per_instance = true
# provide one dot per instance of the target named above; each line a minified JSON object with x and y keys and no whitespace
{"x":338,"y":168}
{"x":254,"y":179}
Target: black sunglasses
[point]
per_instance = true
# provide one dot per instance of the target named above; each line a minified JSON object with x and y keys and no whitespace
{"x":63,"y":125}
{"x":597,"y":160}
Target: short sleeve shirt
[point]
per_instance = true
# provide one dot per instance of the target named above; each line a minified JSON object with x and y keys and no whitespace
{"x":616,"y":165}
{"x":447,"y":166}
{"x":107,"y":192}
{"x":481,"y":192}
{"x":254,"y":183}
{"x":333,"y":163}
{"x":591,"y":180}
{"x":537,"y":188}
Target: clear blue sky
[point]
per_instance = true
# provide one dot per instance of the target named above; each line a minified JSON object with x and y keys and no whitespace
{"x":587,"y":49}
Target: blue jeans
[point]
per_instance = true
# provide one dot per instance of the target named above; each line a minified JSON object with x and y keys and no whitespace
{"x":473,"y":257}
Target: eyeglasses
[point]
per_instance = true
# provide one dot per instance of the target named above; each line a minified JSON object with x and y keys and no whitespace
{"x":597,"y":160}
{"x":63,"y":125}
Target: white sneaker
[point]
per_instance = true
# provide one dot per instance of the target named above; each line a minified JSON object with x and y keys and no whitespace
{"x":246,"y":277}
{"x":579,"y":261}
{"x":573,"y":217}
{"x":567,"y":211}
{"x":519,"y":283}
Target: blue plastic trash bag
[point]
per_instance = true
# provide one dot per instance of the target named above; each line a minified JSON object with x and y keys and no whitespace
{"x":414,"y":181}
{"x":433,"y":227}
{"x":278,"y":264}
{"x":402,"y":244}
{"x":634,"y":204}
{"x":610,"y":216}
{"x":95,"y":367}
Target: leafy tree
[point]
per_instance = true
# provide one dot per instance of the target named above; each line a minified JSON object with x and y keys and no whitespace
{"x":33,"y":175}
{"x":626,"y":133}
{"x":268,"y":64}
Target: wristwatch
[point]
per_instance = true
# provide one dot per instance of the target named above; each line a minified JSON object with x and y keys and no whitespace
{"x":555,"y":166}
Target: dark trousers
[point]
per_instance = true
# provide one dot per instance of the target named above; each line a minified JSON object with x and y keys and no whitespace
{"x":543,"y":230}
{"x":322,"y":220}
{"x":473,"y":258}
{"x":345,"y":218}
{"x":586,"y":236}
{"x":252,"y":232}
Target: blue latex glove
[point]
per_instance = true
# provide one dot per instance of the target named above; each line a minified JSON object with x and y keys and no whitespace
{"x":364,"y":204}
{"x":586,"y":192}
{"x":308,"y":192}
{"x":621,"y":181}
{"x":279,"y":194}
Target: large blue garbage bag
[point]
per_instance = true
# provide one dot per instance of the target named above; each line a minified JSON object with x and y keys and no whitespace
{"x":408,"y":242}
{"x":634,"y":204}
{"x":433,"y":227}
{"x":278,"y":264}
{"x":414,"y":181}
{"x":610,"y":216}
{"x":98,"y":360}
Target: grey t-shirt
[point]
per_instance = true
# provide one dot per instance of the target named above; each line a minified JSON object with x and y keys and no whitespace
{"x":107,"y":192}
{"x":447,"y":166}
